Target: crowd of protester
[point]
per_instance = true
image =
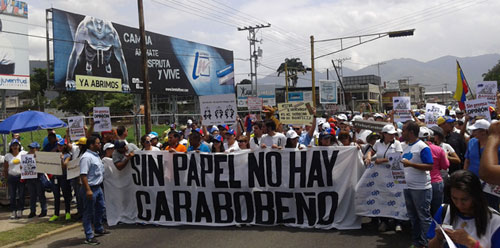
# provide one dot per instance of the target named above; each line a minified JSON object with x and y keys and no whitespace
{"x":443,"y":164}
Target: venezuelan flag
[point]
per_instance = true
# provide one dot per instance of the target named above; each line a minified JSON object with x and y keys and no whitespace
{"x":462,"y":88}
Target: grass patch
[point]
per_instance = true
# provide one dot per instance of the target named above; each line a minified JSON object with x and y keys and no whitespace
{"x":30,"y":231}
{"x":38,"y":136}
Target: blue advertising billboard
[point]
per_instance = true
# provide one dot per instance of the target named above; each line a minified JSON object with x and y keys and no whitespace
{"x":98,"y":55}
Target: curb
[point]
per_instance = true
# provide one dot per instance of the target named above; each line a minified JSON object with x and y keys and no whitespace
{"x":43,"y":235}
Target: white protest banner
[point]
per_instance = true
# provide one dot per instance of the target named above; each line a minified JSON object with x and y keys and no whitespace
{"x":327,"y":91}
{"x":487,"y":90}
{"x":432,"y":113}
{"x":102,"y":119}
{"x":254,"y":103}
{"x":218,"y":109}
{"x":73,"y":169}
{"x":295,"y":113}
{"x":28,"y":167}
{"x":378,"y":196}
{"x":478,"y":107}
{"x":49,"y":162}
{"x":402,"y":107}
{"x":76,"y":127}
{"x":313,"y":188}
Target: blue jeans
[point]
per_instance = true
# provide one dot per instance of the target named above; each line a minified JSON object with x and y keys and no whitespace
{"x":60,"y":183}
{"x":36,"y":191}
{"x":437,"y":196}
{"x":16,"y":192}
{"x":93,"y":210}
{"x":418,"y":204}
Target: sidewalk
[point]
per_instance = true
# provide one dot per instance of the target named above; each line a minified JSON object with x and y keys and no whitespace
{"x":15,"y":225}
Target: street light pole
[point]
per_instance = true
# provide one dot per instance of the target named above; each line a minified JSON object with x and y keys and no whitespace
{"x":313,"y":76}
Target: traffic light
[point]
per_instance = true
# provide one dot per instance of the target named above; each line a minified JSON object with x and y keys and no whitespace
{"x":401,"y":33}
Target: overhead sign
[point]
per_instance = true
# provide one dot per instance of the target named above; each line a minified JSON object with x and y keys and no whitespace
{"x":432,"y":113}
{"x":102,"y":119}
{"x":218,"y":109}
{"x":257,"y":188}
{"x":478,"y":107}
{"x":95,"y":54}
{"x":327,"y":91}
{"x":300,"y":96}
{"x":487,"y":90}
{"x":14,"y":46}
{"x":295,"y":113}
{"x":401,"y":106}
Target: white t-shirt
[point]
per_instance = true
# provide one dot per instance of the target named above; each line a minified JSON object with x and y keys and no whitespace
{"x":447,"y":148}
{"x":383,"y":149}
{"x":415,"y":178}
{"x":14,"y":163}
{"x":490,"y":239}
{"x":75,"y":151}
{"x":254,"y":145}
{"x":232,"y":148}
{"x":278,"y":139}
{"x":362,"y":135}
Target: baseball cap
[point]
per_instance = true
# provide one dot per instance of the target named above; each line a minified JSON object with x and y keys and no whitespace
{"x":231,"y":131}
{"x":82,"y":141}
{"x":153,"y":135}
{"x":15,"y":141}
{"x":452,"y":112}
{"x":357,"y":118}
{"x":291,"y":134}
{"x":378,"y":115}
{"x":425,"y":132}
{"x":342,"y":117}
{"x":321,"y":122}
{"x":213,"y":129}
{"x":325,"y":126}
{"x":389,"y":128}
{"x":61,"y":142}
{"x":34,"y":145}
{"x":327,"y":133}
{"x":421,"y":117}
{"x":444,"y":119}
{"x":437,"y":130}
{"x":119,"y":144}
{"x":189,"y":122}
{"x":218,"y":138}
{"x":198,"y":130}
{"x":480,"y":124}
{"x":225,"y":127}
{"x":108,"y":146}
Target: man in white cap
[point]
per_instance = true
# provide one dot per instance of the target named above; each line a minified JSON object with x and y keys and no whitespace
{"x":378,"y":117}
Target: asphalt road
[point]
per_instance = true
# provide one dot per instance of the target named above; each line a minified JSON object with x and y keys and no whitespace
{"x":124,"y":236}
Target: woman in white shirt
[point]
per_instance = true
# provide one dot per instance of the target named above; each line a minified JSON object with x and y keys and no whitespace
{"x":382,"y":148}
{"x":12,"y":168}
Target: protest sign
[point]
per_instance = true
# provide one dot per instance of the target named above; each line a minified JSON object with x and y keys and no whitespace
{"x":218,"y":109}
{"x":491,"y":189}
{"x":73,"y":169}
{"x":295,"y":113}
{"x":102,"y":119}
{"x":76,"y":127}
{"x":327,"y":91}
{"x":377,"y":194}
{"x":313,"y":188}
{"x":375,"y":126}
{"x":487,"y":90}
{"x":48,"y":162}
{"x":432,"y":113}
{"x":478,"y":107}
{"x":28,"y":167}
{"x":397,"y":170}
{"x":402,"y":107}
{"x":254,"y":103}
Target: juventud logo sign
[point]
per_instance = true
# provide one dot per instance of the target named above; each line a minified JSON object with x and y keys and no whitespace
{"x":313,"y":188}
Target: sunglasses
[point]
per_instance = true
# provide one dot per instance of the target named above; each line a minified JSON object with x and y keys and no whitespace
{"x":296,"y":128}
{"x":242,"y":141}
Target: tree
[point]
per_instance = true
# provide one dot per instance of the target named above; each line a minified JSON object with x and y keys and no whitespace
{"x":84,"y":102}
{"x":294,"y":66}
{"x":38,"y":86}
{"x":493,"y":74}
{"x":245,"y":81}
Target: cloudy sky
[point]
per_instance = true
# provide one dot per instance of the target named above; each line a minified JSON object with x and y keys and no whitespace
{"x":443,"y":27}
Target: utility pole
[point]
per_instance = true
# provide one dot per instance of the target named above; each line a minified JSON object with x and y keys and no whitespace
{"x":378,"y":67}
{"x":286,"y":81}
{"x":147,"y":100}
{"x":254,"y":52}
{"x":341,"y":75}
{"x":313,"y":73}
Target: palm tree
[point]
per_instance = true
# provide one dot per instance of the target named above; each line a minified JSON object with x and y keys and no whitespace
{"x":294,"y":66}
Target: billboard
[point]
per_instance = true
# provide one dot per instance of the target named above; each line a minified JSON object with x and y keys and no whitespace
{"x":98,"y":55}
{"x":14,"y":48}
{"x":266,"y":92}
{"x":327,"y":91}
